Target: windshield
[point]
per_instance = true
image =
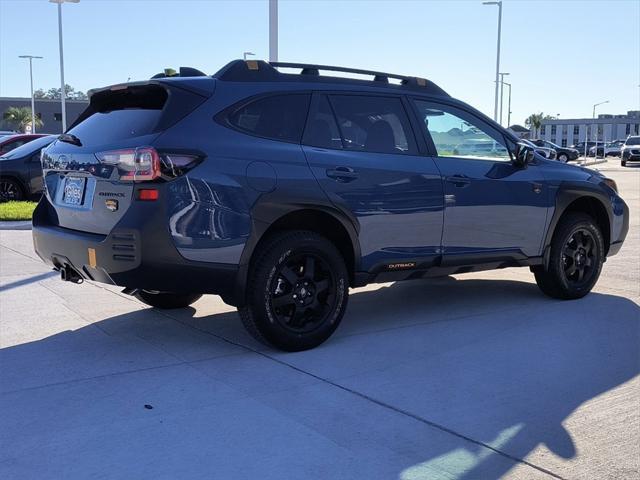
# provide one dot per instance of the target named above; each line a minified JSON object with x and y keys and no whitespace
{"x":550,"y":144}
{"x":29,"y":148}
{"x":633,"y":141}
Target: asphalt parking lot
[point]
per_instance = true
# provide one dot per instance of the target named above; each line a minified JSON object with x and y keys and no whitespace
{"x":468,"y":377}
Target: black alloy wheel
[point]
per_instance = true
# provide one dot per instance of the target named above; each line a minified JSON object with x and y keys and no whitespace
{"x":10,"y":190}
{"x":578,"y":257}
{"x":302,"y":292}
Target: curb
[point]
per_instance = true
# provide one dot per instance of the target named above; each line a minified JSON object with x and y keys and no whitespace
{"x":595,"y":162}
{"x":16,"y":225}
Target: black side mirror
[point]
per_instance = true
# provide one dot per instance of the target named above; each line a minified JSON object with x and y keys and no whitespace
{"x":524,"y":154}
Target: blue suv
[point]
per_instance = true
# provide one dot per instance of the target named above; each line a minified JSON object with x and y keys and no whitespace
{"x":279,"y":188}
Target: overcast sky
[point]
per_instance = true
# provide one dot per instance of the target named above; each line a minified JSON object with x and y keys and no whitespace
{"x":563,"y":56}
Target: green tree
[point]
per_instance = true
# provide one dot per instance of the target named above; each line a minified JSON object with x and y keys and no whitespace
{"x":20,"y":117}
{"x":54,"y":93}
{"x":534,"y":121}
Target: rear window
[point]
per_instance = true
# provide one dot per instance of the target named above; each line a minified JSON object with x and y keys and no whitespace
{"x":277,"y":117}
{"x":120,"y":115}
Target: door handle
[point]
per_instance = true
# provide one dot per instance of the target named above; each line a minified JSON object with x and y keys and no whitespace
{"x":459,"y":180}
{"x":342,"y":174}
{"x":536,"y":187}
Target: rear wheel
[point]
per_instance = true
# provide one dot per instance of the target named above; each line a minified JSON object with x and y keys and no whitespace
{"x":575,"y":262}
{"x":10,"y":190}
{"x":563,"y":158}
{"x":297,"y":291}
{"x":166,"y":300}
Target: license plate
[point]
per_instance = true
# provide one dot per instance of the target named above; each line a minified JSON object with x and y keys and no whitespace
{"x":74,"y":190}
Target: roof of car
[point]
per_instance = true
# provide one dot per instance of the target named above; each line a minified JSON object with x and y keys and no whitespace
{"x":17,"y":136}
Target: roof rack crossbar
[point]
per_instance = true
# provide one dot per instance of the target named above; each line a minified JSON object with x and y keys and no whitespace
{"x":379,"y":76}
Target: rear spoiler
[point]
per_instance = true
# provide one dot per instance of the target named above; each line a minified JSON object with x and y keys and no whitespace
{"x":176,"y":96}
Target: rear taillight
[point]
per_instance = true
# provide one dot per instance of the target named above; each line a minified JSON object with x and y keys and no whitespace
{"x":145,"y":163}
{"x":133,"y":164}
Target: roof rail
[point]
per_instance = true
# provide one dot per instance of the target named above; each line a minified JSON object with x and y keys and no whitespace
{"x":308,"y":69}
{"x":259,"y":70}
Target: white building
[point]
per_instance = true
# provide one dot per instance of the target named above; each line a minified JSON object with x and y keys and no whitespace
{"x":565,"y":132}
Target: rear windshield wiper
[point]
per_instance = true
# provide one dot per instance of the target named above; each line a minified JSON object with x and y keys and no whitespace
{"x":70,"y":138}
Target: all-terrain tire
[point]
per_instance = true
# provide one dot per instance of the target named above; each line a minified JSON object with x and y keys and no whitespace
{"x":280,"y":283}
{"x":576,"y":232}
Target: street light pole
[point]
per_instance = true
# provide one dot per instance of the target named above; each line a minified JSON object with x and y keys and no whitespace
{"x":63,"y":93}
{"x":586,"y":133}
{"x":593,"y":116}
{"x":499,"y":4}
{"x":502,"y":75}
{"x":273,"y":30}
{"x":33,"y":102}
{"x":509,"y":105}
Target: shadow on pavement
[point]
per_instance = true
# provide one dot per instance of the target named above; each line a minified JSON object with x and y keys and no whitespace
{"x":28,"y":280}
{"x":484,"y":372}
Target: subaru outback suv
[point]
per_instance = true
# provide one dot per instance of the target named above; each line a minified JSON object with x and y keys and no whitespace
{"x":279,"y":188}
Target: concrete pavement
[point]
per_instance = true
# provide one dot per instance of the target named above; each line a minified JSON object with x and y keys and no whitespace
{"x":468,"y":377}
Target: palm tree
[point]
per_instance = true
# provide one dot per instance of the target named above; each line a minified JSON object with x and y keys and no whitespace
{"x":533,"y":122}
{"x":21,"y":117}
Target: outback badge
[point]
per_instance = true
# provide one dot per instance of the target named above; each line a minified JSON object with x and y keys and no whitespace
{"x":111,"y":204}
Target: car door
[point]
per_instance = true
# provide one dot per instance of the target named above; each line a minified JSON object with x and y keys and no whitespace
{"x":363,"y":152}
{"x":494,"y":209}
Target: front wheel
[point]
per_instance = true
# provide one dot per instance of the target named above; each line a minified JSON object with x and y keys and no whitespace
{"x":297,"y":291}
{"x":563,"y":158}
{"x":576,"y":258}
{"x":166,"y":300}
{"x":623,"y":163}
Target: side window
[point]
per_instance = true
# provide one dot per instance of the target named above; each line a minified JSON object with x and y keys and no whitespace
{"x":278,"y":117}
{"x":322,"y":130}
{"x":461,"y":135}
{"x":373,"y":124}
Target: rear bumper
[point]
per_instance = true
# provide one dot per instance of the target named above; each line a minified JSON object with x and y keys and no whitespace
{"x":142,"y":257}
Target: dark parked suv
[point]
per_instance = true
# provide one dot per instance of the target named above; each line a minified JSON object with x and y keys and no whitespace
{"x":279,"y":191}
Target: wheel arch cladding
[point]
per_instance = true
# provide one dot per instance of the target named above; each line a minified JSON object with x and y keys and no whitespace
{"x":595,"y":208}
{"x":322,"y":223}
